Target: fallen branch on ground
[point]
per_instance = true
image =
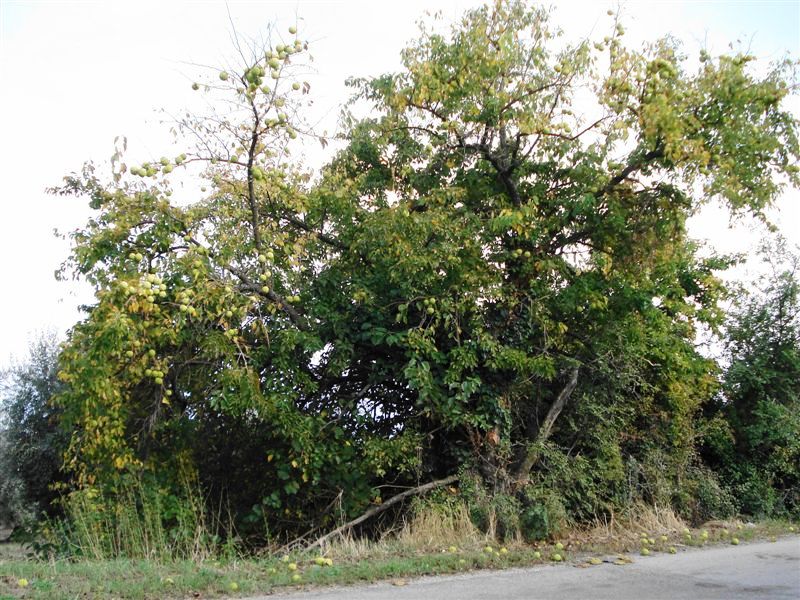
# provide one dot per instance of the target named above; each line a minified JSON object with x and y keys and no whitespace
{"x":382,"y":507}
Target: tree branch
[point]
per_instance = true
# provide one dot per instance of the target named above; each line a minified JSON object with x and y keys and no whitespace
{"x":534,"y":448}
{"x":325,"y":238}
{"x":382,"y":507}
{"x":657,"y":152}
{"x":251,"y":192}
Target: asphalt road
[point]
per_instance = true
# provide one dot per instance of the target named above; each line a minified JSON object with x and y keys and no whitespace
{"x":762,"y":570}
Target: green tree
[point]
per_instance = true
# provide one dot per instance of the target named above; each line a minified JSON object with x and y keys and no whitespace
{"x":31,"y":440}
{"x":756,"y":441}
{"x":495,"y":267}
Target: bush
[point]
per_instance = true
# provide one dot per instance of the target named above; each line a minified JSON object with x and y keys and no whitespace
{"x":543,"y":514}
{"x":496,"y":513}
{"x":710,"y":499}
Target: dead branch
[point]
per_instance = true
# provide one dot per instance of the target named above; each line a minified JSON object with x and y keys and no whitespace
{"x":382,"y":507}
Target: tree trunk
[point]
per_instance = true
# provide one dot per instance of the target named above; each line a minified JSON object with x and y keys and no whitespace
{"x":531,"y":457}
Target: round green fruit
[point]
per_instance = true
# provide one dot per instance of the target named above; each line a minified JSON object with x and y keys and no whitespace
{"x":292,"y":29}
{"x":295,"y":86}
{"x":223,"y":75}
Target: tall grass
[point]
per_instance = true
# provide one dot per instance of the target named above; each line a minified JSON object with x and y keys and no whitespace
{"x":141,"y":521}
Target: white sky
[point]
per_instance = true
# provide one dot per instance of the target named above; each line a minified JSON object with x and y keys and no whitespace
{"x":73,"y":75}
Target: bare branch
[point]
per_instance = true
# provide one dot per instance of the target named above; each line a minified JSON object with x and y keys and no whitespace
{"x":382,"y":507}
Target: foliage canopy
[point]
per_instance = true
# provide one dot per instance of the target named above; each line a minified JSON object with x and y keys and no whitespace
{"x":492,"y":274}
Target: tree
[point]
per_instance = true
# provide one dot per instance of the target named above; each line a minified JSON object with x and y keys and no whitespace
{"x":492,"y":269}
{"x":755,"y":444}
{"x":31,"y":441}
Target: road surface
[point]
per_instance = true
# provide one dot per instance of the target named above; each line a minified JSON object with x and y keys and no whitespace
{"x":762,"y":570}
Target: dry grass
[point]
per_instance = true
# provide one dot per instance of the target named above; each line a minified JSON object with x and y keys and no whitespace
{"x":436,"y":529}
{"x":433,"y":529}
{"x":427,"y":530}
{"x":620,"y":533}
